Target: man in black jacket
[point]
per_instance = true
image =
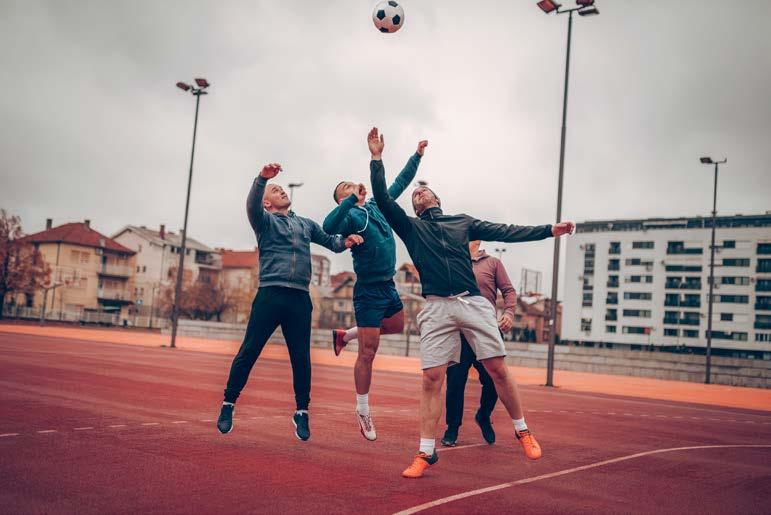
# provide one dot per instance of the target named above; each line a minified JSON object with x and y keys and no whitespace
{"x":438,"y":246}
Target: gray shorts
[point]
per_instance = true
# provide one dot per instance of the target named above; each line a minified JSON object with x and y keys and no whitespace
{"x":442,"y":321}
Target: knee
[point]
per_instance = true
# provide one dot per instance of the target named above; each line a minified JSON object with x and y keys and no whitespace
{"x":367,"y":352}
{"x":432,"y":380}
{"x":497,"y":370}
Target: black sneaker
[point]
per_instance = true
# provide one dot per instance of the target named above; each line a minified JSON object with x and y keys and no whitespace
{"x":225,"y":420}
{"x":302,"y":431}
{"x":488,"y":433}
{"x":450,"y":437}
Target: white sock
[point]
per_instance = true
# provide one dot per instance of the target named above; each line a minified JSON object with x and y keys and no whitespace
{"x":351,"y":334}
{"x":427,"y":445}
{"x":225,"y":403}
{"x":362,"y":404}
{"x":519,"y":424}
{"x":301,"y":412}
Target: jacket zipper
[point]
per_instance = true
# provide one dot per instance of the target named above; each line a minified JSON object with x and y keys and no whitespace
{"x":294,"y":250}
{"x":444,"y":246}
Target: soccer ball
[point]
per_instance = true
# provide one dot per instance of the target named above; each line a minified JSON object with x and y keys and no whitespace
{"x":388,"y":16}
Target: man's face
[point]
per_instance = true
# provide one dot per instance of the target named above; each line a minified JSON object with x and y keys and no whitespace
{"x":346,"y":189}
{"x":275,"y":197}
{"x":473,"y":247}
{"x":422,"y":199}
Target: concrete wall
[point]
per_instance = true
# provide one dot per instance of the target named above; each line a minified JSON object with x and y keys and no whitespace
{"x":659,"y":365}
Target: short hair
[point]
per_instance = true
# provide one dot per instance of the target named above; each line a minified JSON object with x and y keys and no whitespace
{"x":334,"y":191}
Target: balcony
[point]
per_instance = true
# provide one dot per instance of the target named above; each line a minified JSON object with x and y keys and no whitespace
{"x":114,"y":294}
{"x":763,"y":269}
{"x":205,"y":259}
{"x":762,"y":306}
{"x":115,"y":270}
{"x":612,"y":284}
{"x":683,"y":285}
{"x":762,"y":325}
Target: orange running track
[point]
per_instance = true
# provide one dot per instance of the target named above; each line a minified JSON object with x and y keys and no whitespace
{"x":95,"y":425}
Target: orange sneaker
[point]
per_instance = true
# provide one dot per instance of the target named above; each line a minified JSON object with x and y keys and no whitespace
{"x":529,"y":444}
{"x":420,"y":464}
{"x":337,"y":339}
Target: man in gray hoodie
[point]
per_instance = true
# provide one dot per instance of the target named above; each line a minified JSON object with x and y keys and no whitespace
{"x":285,"y":271}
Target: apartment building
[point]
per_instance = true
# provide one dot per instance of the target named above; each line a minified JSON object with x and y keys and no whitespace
{"x":645,"y":282}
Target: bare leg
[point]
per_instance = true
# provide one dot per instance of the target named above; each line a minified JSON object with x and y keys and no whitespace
{"x":431,"y":400}
{"x":505,"y":386}
{"x":393,"y":325}
{"x":369,"y":340}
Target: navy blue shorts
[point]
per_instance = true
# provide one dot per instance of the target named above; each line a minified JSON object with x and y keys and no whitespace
{"x":372,"y":302}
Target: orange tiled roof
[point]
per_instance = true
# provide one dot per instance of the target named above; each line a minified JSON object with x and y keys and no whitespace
{"x":240,"y":258}
{"x":77,"y":233}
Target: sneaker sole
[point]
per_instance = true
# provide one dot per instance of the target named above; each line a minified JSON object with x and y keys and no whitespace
{"x":226,"y":432}
{"x":449,"y":444}
{"x":334,"y":344}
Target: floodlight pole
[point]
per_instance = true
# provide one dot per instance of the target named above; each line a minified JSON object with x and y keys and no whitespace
{"x":708,"y":363}
{"x":197,"y":92}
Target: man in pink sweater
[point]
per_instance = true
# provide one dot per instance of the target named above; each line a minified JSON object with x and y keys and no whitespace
{"x":491,"y":276}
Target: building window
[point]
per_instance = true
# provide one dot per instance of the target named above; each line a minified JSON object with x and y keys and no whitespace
{"x":727,"y":335}
{"x":586,"y":325}
{"x":635,"y":330}
{"x":637,"y":295}
{"x":611,"y":315}
{"x":735,"y":280}
{"x":690,"y":333}
{"x":762,"y":302}
{"x":736,"y":262}
{"x":610,"y":328}
{"x":763,"y":285}
{"x":687,"y":300}
{"x":614,"y":264}
{"x":764,"y":248}
{"x":671,"y":317}
{"x":763,"y":337}
{"x":639,"y":279}
{"x":683,"y":283}
{"x":683,"y":268}
{"x":690,"y":318}
{"x":144,"y":269}
{"x":642,"y":244}
{"x":615,"y":247}
{"x":612,"y":298}
{"x":612,"y":281}
{"x":669,"y":331}
{"x":678,"y":247}
{"x":140,"y":248}
{"x":642,"y":313}
{"x":726,"y":317}
{"x":638,"y":262}
{"x":730,"y":299}
{"x":137,"y":269}
{"x":587,"y":300}
{"x":764,"y":265}
{"x":729,"y":244}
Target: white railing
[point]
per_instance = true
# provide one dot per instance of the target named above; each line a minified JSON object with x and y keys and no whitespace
{"x":116,"y":270}
{"x":113,"y":294}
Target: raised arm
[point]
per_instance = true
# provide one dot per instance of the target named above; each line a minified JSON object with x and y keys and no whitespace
{"x":488,"y":231}
{"x":254,"y":210}
{"x":334,"y":242}
{"x":337,"y":221}
{"x":394,"y":214}
{"x":408,"y":172}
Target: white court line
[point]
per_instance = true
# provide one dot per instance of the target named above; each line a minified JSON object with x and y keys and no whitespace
{"x":455,"y":448}
{"x":47,"y":431}
{"x":208,"y":420}
{"x":151,"y":424}
{"x":8,"y":434}
{"x":480,"y":491}
{"x":82,"y":428}
{"x":180,"y":422}
{"x":117,"y":425}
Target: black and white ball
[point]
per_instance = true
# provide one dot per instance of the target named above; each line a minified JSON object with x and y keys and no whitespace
{"x":388,"y":16}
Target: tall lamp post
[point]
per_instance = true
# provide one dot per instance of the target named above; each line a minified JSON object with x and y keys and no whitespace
{"x":585,"y":8}
{"x":197,"y":90}
{"x":292,"y":186}
{"x":708,"y":364}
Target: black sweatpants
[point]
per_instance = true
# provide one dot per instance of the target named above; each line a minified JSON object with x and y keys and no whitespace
{"x":456,"y":386}
{"x":273,"y":306}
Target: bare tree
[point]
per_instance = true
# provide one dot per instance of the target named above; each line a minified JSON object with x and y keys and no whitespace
{"x":22,"y":268}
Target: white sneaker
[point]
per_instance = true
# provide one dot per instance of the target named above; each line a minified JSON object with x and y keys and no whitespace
{"x":366,"y":426}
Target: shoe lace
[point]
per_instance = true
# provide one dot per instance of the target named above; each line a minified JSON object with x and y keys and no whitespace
{"x":366,"y":420}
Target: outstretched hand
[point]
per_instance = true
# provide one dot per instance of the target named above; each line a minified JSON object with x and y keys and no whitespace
{"x":270,"y":170}
{"x":563,"y":228}
{"x":375,"y":144}
{"x":353,"y":240}
{"x":422,"y":147}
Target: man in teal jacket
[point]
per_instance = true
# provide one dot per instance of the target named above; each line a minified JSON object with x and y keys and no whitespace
{"x":376,"y":302}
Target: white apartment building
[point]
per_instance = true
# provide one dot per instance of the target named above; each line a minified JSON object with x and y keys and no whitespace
{"x":644,"y":283}
{"x":157,"y":256}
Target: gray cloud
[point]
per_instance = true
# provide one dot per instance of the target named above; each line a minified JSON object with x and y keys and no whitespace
{"x":94,"y":128}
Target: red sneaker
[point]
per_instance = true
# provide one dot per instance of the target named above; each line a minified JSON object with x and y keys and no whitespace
{"x":337,"y":338}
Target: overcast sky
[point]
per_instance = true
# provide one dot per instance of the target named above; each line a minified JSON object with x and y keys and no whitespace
{"x":93,"y":127}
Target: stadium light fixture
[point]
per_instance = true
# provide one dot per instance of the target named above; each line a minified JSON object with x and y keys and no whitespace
{"x":584,"y":3}
{"x":196,"y":92}
{"x":706,"y":160}
{"x":548,"y":6}
{"x":590,"y":11}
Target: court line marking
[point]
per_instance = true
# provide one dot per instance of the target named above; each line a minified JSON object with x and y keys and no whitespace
{"x":480,"y":491}
{"x":82,"y":428}
{"x":8,"y":434}
{"x":151,"y":424}
{"x":458,"y":447}
{"x":117,"y":425}
{"x":47,"y":431}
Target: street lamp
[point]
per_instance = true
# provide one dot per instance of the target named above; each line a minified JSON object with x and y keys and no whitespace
{"x":500,"y":252}
{"x":196,"y":91}
{"x":709,"y":161}
{"x":585,"y":8}
{"x":292,"y":186}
